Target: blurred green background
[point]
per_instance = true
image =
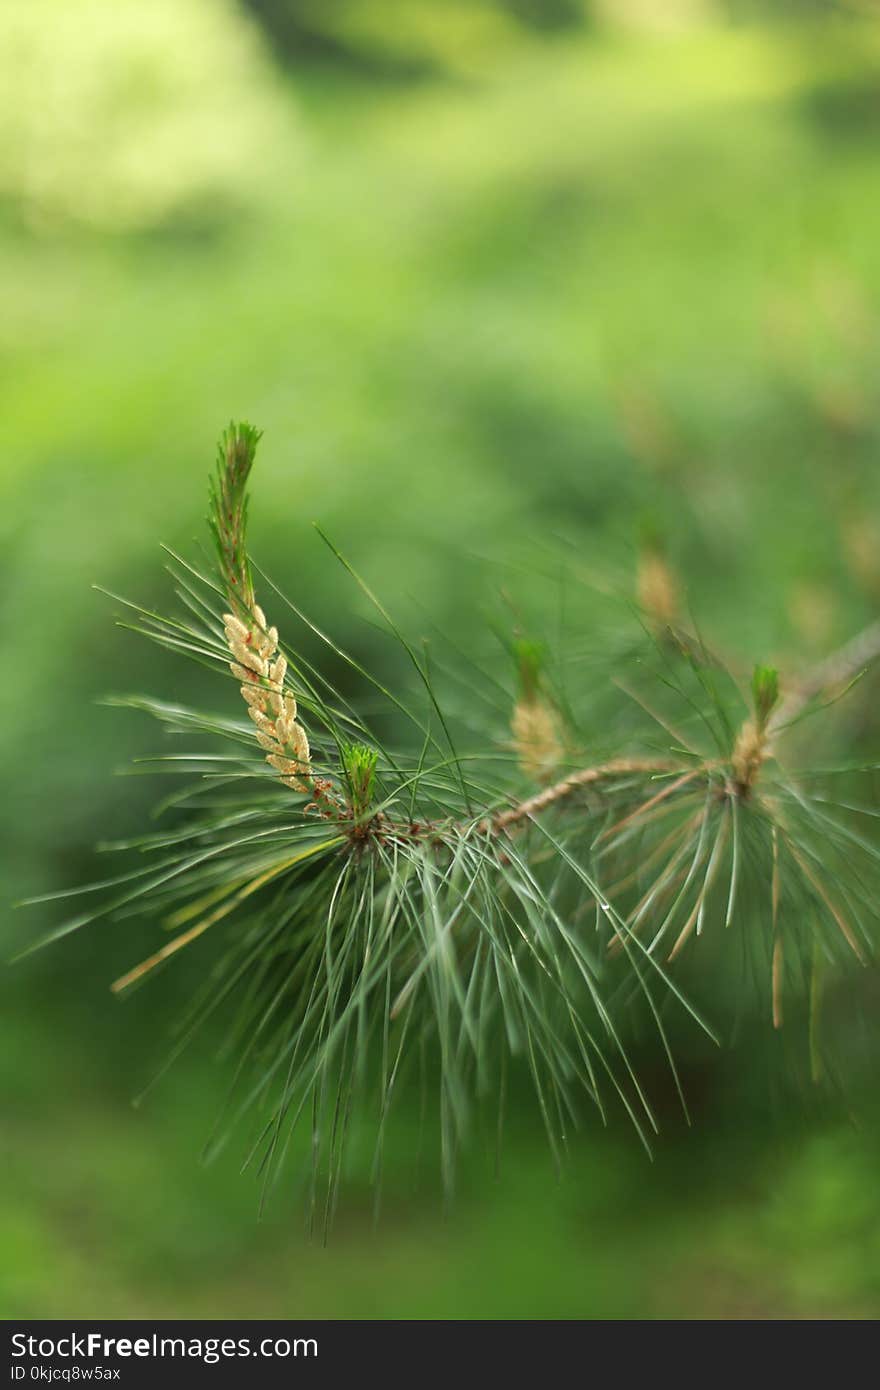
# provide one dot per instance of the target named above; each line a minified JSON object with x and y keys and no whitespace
{"x":497,"y":279}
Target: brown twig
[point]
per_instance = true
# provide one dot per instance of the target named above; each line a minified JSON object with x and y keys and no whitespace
{"x":838,"y":668}
{"x":588,"y":776}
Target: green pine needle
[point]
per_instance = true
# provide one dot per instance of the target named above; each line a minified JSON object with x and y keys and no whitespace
{"x":424,"y":901}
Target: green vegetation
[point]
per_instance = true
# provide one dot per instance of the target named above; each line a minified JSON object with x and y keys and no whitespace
{"x":489,"y":320}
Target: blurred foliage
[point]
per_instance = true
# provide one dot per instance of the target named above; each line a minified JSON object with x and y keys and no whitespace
{"x":488,"y":321}
{"x":129,"y":115}
{"x":402,"y":39}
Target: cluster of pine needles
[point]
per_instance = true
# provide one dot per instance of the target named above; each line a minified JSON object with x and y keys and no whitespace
{"x":465,"y":910}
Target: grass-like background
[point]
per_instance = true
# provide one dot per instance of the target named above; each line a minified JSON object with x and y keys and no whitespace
{"x":497,"y":289}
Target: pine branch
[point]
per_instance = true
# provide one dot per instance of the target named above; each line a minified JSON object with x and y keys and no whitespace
{"x":421,"y":899}
{"x":575,"y":781}
{"x":837,"y":670}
